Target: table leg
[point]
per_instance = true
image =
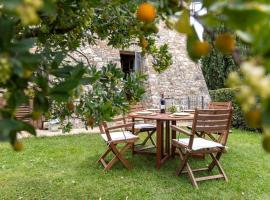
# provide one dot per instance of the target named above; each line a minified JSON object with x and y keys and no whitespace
{"x":162,"y":139}
{"x":173,"y":137}
{"x":167,"y":144}
{"x":133,"y":131}
{"x":159,"y":144}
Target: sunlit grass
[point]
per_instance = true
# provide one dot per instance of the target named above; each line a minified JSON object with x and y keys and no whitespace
{"x":65,"y":168}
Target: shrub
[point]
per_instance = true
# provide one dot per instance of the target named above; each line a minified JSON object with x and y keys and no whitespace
{"x":229,"y":94}
{"x":217,"y":66}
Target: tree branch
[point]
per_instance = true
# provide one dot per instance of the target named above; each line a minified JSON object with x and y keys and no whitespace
{"x":81,"y":53}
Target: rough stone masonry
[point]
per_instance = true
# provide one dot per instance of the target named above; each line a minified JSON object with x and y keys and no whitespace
{"x":181,"y":83}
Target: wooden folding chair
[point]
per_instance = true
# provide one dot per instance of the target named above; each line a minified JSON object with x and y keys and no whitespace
{"x":113,"y":139}
{"x":144,"y":126}
{"x":218,"y":105}
{"x":210,"y":121}
{"x":215,"y":105}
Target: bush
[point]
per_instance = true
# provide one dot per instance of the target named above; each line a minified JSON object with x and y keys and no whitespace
{"x":216,"y":66}
{"x":229,"y":94}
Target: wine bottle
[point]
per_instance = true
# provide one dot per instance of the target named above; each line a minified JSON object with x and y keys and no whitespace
{"x":162,"y":104}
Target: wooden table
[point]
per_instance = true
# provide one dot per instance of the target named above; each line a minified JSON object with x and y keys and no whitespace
{"x":164,"y":148}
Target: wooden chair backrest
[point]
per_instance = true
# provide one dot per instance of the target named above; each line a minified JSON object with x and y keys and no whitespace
{"x":136,"y":107}
{"x":220,"y":105}
{"x":22,"y":111}
{"x":212,"y":121}
{"x":103,"y":127}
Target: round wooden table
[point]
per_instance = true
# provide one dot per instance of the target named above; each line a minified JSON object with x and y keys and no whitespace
{"x":163,"y":150}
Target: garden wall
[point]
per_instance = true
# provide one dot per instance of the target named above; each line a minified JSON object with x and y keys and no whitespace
{"x":184,"y":78}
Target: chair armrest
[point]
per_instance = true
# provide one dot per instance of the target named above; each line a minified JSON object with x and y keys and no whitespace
{"x":120,"y":126}
{"x":119,"y":119}
{"x":186,"y":132}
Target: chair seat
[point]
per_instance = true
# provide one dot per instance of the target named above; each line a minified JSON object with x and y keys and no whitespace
{"x":198,"y":143}
{"x":120,"y":136}
{"x":144,"y":126}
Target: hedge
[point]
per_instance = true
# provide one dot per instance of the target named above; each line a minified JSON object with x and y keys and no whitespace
{"x":229,"y":94}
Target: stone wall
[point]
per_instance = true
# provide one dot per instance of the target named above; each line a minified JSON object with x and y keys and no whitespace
{"x":184,"y":78}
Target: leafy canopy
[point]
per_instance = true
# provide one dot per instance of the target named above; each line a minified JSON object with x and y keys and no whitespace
{"x":57,"y":27}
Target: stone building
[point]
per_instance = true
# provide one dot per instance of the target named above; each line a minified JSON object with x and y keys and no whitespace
{"x":182,"y":84}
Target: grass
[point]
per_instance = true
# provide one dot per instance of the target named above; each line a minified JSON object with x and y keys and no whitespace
{"x":65,"y":168}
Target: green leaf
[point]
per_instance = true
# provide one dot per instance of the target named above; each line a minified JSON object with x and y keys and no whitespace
{"x":23,"y":45}
{"x":6,"y":33}
{"x":246,"y":15}
{"x":71,"y":82}
{"x":10,"y":126}
{"x":191,"y":38}
{"x":60,"y":96}
{"x":183,"y":23}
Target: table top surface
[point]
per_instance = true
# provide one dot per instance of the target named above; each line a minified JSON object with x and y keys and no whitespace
{"x":162,"y":116}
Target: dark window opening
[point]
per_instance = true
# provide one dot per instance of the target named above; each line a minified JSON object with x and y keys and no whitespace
{"x":127,"y":62}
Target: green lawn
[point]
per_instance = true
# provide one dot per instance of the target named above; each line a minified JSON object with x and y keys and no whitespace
{"x":65,"y":168}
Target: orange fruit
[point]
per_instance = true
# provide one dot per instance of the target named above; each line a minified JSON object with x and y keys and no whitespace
{"x":70,"y":106}
{"x":225,"y":43}
{"x":90,"y":122}
{"x":146,"y":12}
{"x":266,"y":143}
{"x":18,"y":146}
{"x":200,"y":48}
{"x":254,"y":118}
{"x":27,"y":73}
{"x":143,"y":43}
{"x":36,"y":115}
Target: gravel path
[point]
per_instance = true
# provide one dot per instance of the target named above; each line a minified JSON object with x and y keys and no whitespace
{"x":47,"y":133}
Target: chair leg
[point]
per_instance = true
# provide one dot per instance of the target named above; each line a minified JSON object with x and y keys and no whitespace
{"x":191,"y":176}
{"x":104,"y":154}
{"x":213,"y":163}
{"x":185,"y":164}
{"x":220,"y":168}
{"x":183,"y":161}
{"x":118,"y":156}
{"x":149,"y":137}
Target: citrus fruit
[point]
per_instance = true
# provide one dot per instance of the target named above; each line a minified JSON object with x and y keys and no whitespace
{"x":225,"y":43}
{"x":143,"y":42}
{"x":150,"y":28}
{"x":36,"y":115}
{"x":266,"y":142}
{"x":90,"y":122}
{"x":35,"y":3}
{"x":70,"y":106}
{"x":200,"y":48}
{"x":146,"y":12}
{"x":18,"y":146}
{"x":254,"y":118}
{"x":27,"y":73}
